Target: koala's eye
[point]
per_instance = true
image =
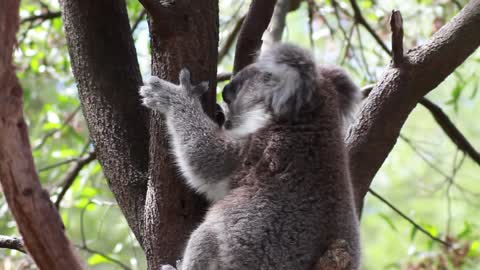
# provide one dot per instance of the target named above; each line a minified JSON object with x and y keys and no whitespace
{"x":267,"y":76}
{"x":228,"y":93}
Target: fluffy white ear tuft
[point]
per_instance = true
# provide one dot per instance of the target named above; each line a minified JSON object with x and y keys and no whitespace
{"x":294,"y":74}
{"x":349,"y":94}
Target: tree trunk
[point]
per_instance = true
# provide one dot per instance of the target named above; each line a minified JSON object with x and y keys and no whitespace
{"x":183,"y":36}
{"x":105,"y":66}
{"x":37,"y":219}
{"x":161,"y":211}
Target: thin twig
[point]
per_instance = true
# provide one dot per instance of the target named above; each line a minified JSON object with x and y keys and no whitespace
{"x":362,"y":55}
{"x":451,"y":182}
{"x":69,"y":177}
{"x":224,"y":76}
{"x":422,"y":156}
{"x":396,"y":25}
{"x":85,"y":247}
{"x":451,"y":130}
{"x":49,"y":134}
{"x":42,"y":17}
{"x":230,"y":39}
{"x":104,"y":255}
{"x":139,"y":19}
{"x":445,"y":123}
{"x":339,"y":19}
{"x":361,"y":20}
{"x":349,"y":44}
{"x":12,"y":242}
{"x":58,"y":164}
{"x":324,"y":19}
{"x":311,"y":12}
{"x":414,"y":224}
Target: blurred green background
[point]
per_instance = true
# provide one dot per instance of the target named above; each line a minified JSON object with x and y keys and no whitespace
{"x":426,"y":177}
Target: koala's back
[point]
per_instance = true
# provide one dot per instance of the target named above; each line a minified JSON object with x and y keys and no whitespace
{"x":293,"y":198}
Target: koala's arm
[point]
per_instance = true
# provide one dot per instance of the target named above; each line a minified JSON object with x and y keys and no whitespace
{"x":206,"y":155}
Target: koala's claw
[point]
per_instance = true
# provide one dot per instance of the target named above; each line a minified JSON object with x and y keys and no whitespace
{"x":184,"y":79}
{"x":167,"y":267}
{"x":200,"y":89}
{"x":158,"y":94}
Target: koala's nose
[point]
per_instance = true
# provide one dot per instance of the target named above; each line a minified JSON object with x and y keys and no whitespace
{"x":228,"y":124}
{"x":219,"y":115}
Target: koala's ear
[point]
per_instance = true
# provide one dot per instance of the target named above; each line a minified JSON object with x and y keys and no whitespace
{"x":200,"y":89}
{"x":291,"y":75}
{"x":349,"y":94}
{"x":184,"y":78}
{"x":229,"y":93}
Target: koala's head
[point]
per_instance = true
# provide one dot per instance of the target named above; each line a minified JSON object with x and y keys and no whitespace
{"x":244,"y":101}
{"x":278,"y":87}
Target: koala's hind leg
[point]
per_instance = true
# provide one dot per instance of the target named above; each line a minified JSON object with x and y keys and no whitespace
{"x":337,"y":257}
{"x":202,"y":251}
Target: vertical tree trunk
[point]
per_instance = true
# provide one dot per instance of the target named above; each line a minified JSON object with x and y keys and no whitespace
{"x":105,"y":66}
{"x":37,"y":219}
{"x":185,"y":35}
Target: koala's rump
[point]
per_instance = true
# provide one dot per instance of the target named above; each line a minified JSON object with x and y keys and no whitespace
{"x":275,"y":230}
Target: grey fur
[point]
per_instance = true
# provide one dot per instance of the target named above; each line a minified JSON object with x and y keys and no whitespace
{"x":277,"y":171}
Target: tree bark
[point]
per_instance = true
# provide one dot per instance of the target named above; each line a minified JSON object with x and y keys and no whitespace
{"x":183,"y":35}
{"x":105,"y":66}
{"x":36,"y":217}
{"x":250,"y":37}
{"x":400,"y":89}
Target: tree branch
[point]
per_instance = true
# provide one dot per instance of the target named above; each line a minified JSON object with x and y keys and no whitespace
{"x":105,"y":67}
{"x":52,"y":132}
{"x":42,"y":17}
{"x":72,"y":173}
{"x":396,"y":24}
{"x":361,"y":20}
{"x":411,"y":221}
{"x":274,"y":32}
{"x":37,"y":220}
{"x":442,"y":119}
{"x":230,"y":39}
{"x":400,"y":89}
{"x":12,"y":243}
{"x":224,"y":76}
{"x":177,"y":32}
{"x":250,"y":37}
{"x":451,"y":130}
{"x":139,"y":19}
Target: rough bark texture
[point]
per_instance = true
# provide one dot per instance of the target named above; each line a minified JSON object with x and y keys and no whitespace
{"x":274,"y":32}
{"x":400,"y":89}
{"x":104,"y":64}
{"x":36,"y":217}
{"x":184,"y":34}
{"x":250,"y":37}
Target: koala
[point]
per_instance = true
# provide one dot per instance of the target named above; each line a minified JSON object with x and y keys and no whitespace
{"x":276,"y":171}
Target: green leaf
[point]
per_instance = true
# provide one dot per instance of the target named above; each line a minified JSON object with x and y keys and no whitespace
{"x":389,"y":221}
{"x":413,"y":233}
{"x":467,"y":230}
{"x":97,"y":259}
{"x":89,"y":192}
{"x":474,"y":249}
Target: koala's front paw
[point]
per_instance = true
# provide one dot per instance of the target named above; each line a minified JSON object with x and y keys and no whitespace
{"x":191,"y":90}
{"x":159,"y":94}
{"x":167,"y":267}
